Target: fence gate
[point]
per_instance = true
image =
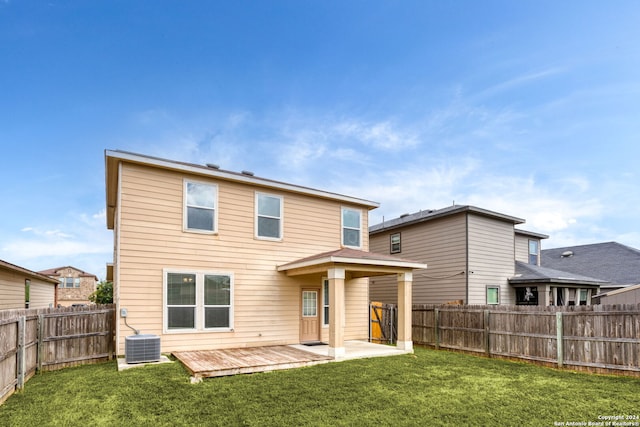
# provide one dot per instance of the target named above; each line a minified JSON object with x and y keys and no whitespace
{"x":383,"y":326}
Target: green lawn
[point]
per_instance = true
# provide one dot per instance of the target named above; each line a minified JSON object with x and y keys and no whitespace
{"x":427,"y":388}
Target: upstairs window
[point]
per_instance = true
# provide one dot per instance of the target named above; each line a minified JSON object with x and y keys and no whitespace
{"x":69,"y":282}
{"x":268,"y":216}
{"x":351,"y":227}
{"x":395,"y":243}
{"x":533,"y":252}
{"x":200,"y":206}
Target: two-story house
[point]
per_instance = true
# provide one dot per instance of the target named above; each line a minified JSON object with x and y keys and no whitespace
{"x":475,"y":256}
{"x":22,"y":288}
{"x":208,"y":259}
{"x":75,"y":285}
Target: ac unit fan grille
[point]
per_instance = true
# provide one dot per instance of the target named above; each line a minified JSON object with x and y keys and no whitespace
{"x":142,"y":348}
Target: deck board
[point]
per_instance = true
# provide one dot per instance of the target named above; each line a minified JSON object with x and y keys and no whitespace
{"x":215,"y":363}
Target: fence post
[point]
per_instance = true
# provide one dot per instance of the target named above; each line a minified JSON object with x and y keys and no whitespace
{"x":559,"y":343}
{"x":487,"y":347}
{"x":436,"y":326}
{"x":39,"y":341}
{"x":21,"y":354}
{"x":392,"y":317}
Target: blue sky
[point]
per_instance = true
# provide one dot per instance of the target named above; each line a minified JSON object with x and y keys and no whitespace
{"x":529,"y":108}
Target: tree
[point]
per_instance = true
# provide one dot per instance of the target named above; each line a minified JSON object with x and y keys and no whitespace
{"x":103,"y":293}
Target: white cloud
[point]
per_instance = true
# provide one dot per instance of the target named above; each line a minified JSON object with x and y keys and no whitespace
{"x":46,"y":233}
{"x":82,"y":241}
{"x":305,"y":147}
{"x":382,"y":135}
{"x":521,"y":80}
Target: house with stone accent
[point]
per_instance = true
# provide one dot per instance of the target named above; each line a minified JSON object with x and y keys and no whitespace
{"x":207,"y":259}
{"x":74,"y":285}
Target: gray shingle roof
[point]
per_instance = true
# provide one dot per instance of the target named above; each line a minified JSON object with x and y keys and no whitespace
{"x":610,"y":261}
{"x":430,"y":214}
{"x":527,"y":273}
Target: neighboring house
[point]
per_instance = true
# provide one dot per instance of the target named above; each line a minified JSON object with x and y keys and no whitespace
{"x":628,"y":295}
{"x":22,"y":288}
{"x":475,"y":256}
{"x":611,"y":261}
{"x":617,"y":264}
{"x":208,"y":259}
{"x":536,"y":285}
{"x":75,"y":285}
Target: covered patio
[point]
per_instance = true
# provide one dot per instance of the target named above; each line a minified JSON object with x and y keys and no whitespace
{"x":341,"y":266}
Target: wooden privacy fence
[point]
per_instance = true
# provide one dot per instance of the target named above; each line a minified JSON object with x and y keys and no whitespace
{"x":596,"y":338}
{"x":50,"y":339}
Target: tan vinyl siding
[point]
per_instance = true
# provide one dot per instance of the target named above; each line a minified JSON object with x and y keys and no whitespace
{"x":266,"y":302}
{"x":440,"y":243}
{"x":12,"y":291}
{"x":491,"y":258}
{"x":42,"y":294}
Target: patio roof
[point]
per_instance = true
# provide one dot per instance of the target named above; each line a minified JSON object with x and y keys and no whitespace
{"x":355,"y":262}
{"x":527,"y":274}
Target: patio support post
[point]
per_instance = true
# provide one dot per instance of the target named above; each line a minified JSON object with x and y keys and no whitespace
{"x":336,"y":312}
{"x":405,"y":282}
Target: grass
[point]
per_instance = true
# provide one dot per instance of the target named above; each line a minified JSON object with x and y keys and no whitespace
{"x":427,"y":388}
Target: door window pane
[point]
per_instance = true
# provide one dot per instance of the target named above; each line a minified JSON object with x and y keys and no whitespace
{"x":309,"y":303}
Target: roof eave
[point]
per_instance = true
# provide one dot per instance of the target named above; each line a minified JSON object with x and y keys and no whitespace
{"x":560,"y":281}
{"x":27,"y":272}
{"x":113,"y":158}
{"x":352,"y":261}
{"x":447,"y":212}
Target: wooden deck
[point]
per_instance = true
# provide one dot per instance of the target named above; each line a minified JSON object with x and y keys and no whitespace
{"x":217,"y":363}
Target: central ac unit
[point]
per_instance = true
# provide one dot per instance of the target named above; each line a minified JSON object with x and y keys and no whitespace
{"x":142,"y":348}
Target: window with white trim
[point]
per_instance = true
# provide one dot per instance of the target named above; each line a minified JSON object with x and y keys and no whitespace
{"x":325,"y":302}
{"x":394,"y":242}
{"x":69,"y":282}
{"x":493,"y":295}
{"x":196,"y":301}
{"x":351,"y":224}
{"x":200,"y":202}
{"x":533,"y":252}
{"x":268,"y":216}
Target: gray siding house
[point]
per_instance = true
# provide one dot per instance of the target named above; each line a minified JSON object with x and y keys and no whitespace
{"x":475,"y":256}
